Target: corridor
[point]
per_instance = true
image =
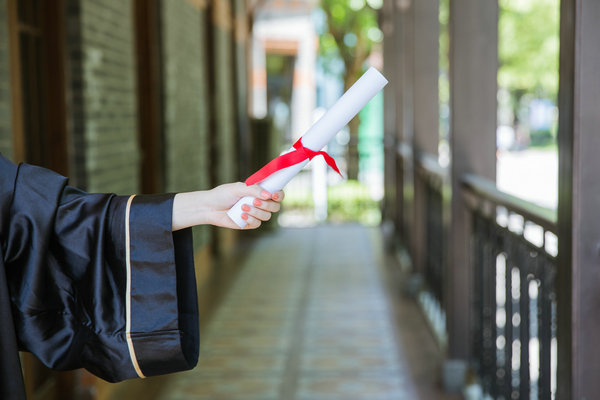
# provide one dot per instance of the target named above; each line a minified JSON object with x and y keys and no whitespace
{"x":310,"y":316}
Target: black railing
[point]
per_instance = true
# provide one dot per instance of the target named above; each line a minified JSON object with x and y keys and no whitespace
{"x":514,"y":266}
{"x":434,"y":178}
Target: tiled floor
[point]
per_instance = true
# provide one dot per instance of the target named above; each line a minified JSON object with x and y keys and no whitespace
{"x":310,"y":317}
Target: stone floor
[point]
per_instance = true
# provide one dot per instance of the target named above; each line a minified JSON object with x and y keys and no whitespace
{"x":315,"y":313}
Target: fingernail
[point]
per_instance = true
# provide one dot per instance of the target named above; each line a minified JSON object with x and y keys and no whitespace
{"x":265,"y":195}
{"x":244,"y":216}
{"x":245,"y":207}
{"x":275,"y":196}
{"x":257,"y":203}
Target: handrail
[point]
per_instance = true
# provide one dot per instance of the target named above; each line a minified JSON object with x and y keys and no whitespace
{"x":404,"y":149}
{"x":429,"y":163}
{"x":504,"y":261}
{"x":485,"y":188}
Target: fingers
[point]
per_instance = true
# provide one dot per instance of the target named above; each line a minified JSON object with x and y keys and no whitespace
{"x":261,"y":212}
{"x":278,"y":196}
{"x":251,"y":222}
{"x":255,"y":191}
{"x":262,"y":207}
{"x":260,"y":193}
{"x":267,"y":205}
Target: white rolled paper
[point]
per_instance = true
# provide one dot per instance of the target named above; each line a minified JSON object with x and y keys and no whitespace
{"x":318,"y":135}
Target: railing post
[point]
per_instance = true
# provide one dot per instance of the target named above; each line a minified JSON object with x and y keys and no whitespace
{"x":473,"y":86}
{"x":426,"y":110}
{"x":386,"y":17}
{"x":240,"y":48}
{"x":404,"y":118}
{"x":578,"y":279}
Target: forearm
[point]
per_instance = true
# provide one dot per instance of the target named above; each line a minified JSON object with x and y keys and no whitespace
{"x":210,"y":206}
{"x":189,"y":209}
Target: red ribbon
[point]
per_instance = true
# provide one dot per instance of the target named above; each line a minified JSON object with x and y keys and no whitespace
{"x":300,"y":154}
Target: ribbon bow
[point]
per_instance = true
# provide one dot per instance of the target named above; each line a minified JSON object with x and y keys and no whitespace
{"x":300,"y":154}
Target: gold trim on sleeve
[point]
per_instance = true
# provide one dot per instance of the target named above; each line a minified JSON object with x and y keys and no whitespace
{"x":134,"y":360}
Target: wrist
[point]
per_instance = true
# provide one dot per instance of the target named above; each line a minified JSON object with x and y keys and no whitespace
{"x":188,"y":210}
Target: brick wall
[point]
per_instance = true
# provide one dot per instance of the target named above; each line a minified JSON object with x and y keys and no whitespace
{"x":185,"y":99}
{"x":103,"y":103}
{"x":185,"y":80}
{"x":225,"y":111}
{"x":5,"y":109}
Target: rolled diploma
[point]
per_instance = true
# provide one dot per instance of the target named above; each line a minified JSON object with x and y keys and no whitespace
{"x":318,"y":135}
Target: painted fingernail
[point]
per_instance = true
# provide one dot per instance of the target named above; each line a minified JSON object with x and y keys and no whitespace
{"x":275,"y":196}
{"x":244,"y":216}
{"x":257,"y":203}
{"x":265,"y":195}
{"x":245,"y":207}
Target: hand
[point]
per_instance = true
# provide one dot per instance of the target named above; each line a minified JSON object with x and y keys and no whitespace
{"x":211,"y":206}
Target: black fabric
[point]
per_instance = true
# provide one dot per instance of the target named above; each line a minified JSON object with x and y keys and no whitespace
{"x":164,"y":307}
{"x":11,"y":380}
{"x":64,"y":273}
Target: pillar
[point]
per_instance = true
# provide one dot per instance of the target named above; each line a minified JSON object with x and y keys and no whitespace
{"x":473,"y":86}
{"x":578,"y":279}
{"x":426,"y":109}
{"x":404,"y":118}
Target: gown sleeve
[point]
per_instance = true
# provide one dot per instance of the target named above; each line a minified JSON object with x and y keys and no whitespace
{"x":98,"y":281}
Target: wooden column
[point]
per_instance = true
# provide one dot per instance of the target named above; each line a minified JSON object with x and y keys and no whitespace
{"x":148,"y":49}
{"x":404,"y":118}
{"x":578,"y":280}
{"x":473,"y":86}
{"x":241,"y":55}
{"x":386,"y":16}
{"x":426,"y":108}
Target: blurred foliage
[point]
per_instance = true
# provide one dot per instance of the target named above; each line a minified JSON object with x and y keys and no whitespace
{"x":351,"y":34}
{"x":528,"y":47}
{"x":444,"y":51}
{"x":346,"y":201}
{"x":542,"y":138}
{"x":352,"y":29}
{"x":444,"y":73}
{"x":528,"y":51}
{"x":444,"y":41}
{"x":298,"y":199}
{"x":351,"y":201}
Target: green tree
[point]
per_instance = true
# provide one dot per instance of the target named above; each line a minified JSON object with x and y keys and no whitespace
{"x":528,"y":49}
{"x":352,"y":30}
{"x":444,"y":67}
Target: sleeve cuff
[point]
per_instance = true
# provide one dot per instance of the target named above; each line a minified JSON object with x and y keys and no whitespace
{"x":162,"y":329}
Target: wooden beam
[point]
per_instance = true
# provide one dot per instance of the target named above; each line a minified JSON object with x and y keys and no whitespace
{"x":386,"y":18}
{"x":473,"y":86}
{"x":56,"y":152}
{"x":15,"y":82}
{"x":425,"y":111}
{"x":404,"y":120}
{"x":578,"y":279}
{"x":148,"y":51}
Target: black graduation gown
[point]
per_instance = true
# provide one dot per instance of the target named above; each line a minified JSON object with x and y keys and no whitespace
{"x":97,"y":281}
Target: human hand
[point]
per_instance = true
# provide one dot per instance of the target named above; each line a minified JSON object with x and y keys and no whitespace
{"x":211,"y":206}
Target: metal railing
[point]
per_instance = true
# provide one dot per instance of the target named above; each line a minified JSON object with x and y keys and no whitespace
{"x":435,"y":179}
{"x":514,"y":248}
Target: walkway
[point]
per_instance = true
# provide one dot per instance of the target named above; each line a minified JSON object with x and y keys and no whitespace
{"x":309,"y":317}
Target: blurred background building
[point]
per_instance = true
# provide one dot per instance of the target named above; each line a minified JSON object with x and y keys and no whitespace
{"x":454,"y":204}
